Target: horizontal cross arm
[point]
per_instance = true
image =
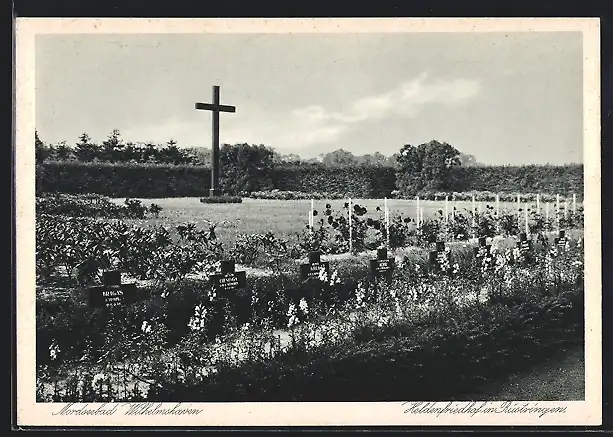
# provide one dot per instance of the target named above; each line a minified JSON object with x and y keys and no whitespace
{"x":213,"y":107}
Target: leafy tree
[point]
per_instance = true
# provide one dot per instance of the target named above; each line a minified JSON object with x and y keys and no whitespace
{"x":171,"y":154}
{"x":131,"y":153}
{"x":429,"y":166}
{"x":340,"y":158}
{"x":149,"y":153}
{"x":468,"y":160}
{"x":112,"y":147}
{"x":85,"y":150}
{"x":245,"y":167}
{"x":63,"y":152}
{"x":41,"y":151}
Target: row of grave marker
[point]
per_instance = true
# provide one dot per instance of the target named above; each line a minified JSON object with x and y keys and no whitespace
{"x":113,"y":293}
{"x":419,"y":218}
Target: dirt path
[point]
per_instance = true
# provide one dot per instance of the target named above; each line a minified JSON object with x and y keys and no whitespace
{"x":562,"y":378}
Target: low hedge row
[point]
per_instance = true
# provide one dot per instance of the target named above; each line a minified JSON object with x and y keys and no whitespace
{"x":159,"y":180}
{"x":221,"y":199}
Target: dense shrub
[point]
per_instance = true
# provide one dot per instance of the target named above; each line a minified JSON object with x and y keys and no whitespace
{"x":294,"y":195}
{"x":76,"y":250}
{"x":123,"y":179}
{"x":92,"y":205}
{"x":522,"y":179}
{"x":156,"y":180}
{"x":361,"y":181}
{"x":221,"y":199}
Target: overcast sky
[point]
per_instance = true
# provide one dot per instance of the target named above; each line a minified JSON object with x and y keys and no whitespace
{"x":504,"y":98}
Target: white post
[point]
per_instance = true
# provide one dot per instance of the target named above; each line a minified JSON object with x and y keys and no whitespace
{"x":446,"y":209}
{"x":497,"y":206}
{"x":473,"y":214}
{"x":526,"y":216}
{"x":387,"y":223}
{"x":557,"y":212}
{"x":350,"y":231}
{"x":547,"y":212}
{"x":311,"y":220}
{"x":538,"y":203}
{"x":417,"y":220}
{"x":566,"y":207}
{"x":421,"y":215}
{"x":574,"y":203}
{"x":497,"y":214}
{"x":518,"y":207}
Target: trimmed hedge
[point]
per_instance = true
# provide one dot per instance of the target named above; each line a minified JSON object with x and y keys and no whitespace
{"x":157,"y":180}
{"x":123,"y":179}
{"x":362,"y":181}
{"x":524,"y":179}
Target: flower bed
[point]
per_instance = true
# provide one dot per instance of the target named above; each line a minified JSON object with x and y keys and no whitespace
{"x":176,"y":336}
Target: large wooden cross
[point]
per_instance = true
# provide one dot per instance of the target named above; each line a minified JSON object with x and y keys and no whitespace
{"x":216,"y":108}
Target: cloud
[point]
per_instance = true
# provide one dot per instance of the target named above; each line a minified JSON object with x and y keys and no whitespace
{"x":405,"y":100}
{"x":315,"y":125}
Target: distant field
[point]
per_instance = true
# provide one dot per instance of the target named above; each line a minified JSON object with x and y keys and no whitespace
{"x":286,"y":218}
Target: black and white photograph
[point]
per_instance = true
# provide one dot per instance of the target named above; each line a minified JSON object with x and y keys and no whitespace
{"x":252,"y":222}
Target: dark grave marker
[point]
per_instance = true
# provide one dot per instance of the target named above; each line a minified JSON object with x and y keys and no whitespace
{"x":438,"y":257}
{"x":112,"y":293}
{"x":382,"y":267}
{"x":311,"y":269}
{"x":483,"y":252}
{"x":525,"y":248}
{"x":560,"y":241}
{"x":229,"y":279}
{"x":231,"y":287}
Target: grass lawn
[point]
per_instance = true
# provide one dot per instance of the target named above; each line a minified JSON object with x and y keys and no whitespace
{"x":286,"y":218}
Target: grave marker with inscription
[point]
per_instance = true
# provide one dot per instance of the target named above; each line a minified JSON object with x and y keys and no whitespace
{"x":525,"y":248}
{"x":311,"y":269}
{"x":112,"y":293}
{"x":229,"y":279}
{"x":439,"y":258}
{"x":382,"y":267}
{"x":560,"y":241}
{"x":231,"y":285}
{"x":483,"y":252}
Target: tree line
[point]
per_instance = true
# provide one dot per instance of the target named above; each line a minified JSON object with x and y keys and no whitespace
{"x":115,"y":149}
{"x":425,"y":168}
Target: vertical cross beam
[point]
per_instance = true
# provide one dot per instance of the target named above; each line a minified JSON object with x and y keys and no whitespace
{"x":215,"y":108}
{"x":215,"y":143}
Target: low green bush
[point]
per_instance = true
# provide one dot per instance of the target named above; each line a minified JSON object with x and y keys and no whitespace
{"x":93,"y":206}
{"x":221,"y":199}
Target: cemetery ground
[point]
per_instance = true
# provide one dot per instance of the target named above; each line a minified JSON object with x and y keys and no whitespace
{"x":285,"y":218}
{"x":464,"y":325}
